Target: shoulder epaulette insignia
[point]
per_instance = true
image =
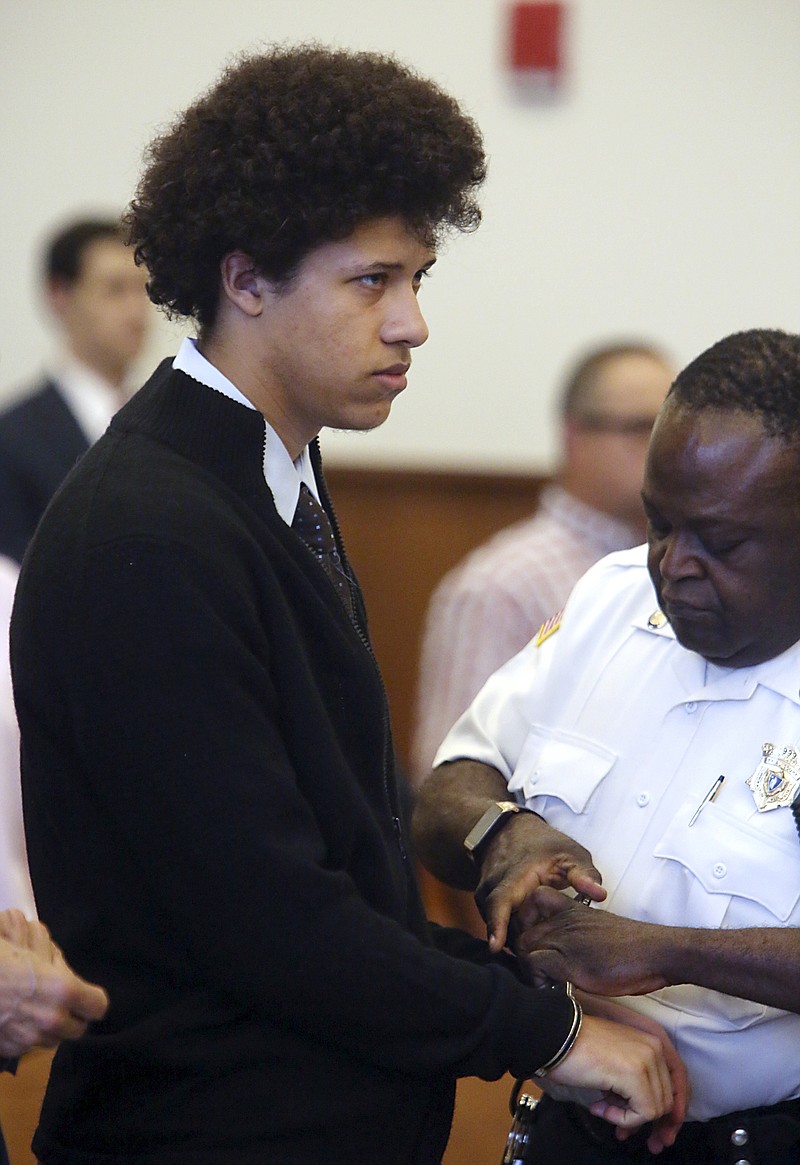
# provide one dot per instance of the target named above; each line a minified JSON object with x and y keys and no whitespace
{"x":657,"y":619}
{"x":549,"y":628}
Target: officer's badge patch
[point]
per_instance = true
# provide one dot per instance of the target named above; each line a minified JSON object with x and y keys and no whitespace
{"x":776,"y":780}
{"x":548,"y":628}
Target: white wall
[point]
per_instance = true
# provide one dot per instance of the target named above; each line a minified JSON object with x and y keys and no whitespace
{"x":657,"y":195}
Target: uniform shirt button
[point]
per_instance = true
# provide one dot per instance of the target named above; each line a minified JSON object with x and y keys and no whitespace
{"x":739,"y":1137}
{"x":691,"y":707}
{"x":720,"y":870}
{"x":642,"y":800}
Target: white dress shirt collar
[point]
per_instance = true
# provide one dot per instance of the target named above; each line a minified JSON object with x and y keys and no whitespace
{"x":91,"y":398}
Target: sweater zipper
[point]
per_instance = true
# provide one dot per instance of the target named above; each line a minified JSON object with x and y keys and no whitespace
{"x":388,"y":751}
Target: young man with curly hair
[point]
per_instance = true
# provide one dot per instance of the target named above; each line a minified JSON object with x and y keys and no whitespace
{"x":215,"y":831}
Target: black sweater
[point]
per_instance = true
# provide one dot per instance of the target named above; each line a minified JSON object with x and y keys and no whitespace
{"x":213,"y":828}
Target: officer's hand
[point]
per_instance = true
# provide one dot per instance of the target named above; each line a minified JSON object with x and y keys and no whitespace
{"x":525,"y":855}
{"x":559,"y":938}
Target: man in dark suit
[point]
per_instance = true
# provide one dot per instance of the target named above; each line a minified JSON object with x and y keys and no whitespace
{"x":96,"y":294}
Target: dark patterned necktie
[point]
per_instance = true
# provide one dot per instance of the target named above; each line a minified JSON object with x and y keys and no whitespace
{"x":311,"y":523}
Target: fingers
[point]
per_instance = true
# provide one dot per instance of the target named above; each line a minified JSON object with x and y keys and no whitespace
{"x":27,"y":933}
{"x":500,"y":903}
{"x":545,"y":967}
{"x":666,"y":1128}
{"x":38,"y":1025}
{"x":497,"y":928}
{"x":42,"y":1001}
{"x":588,"y":883}
{"x":663,"y":1134}
{"x":84,"y":1001}
{"x":87,"y":1002}
{"x":643,"y":1102}
{"x":528,"y":894}
{"x":39,"y":942}
{"x":13,"y":926}
{"x":627,"y":1066}
{"x":523,"y":858}
{"x":542,"y":905}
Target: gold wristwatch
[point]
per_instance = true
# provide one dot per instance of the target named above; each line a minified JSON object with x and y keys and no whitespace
{"x":488,"y":824}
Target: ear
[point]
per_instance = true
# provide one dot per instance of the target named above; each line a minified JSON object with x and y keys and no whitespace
{"x":570,"y":435}
{"x":56,"y":293}
{"x":241,"y":283}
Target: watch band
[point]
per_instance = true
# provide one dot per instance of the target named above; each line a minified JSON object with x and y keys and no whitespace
{"x":488,"y":824}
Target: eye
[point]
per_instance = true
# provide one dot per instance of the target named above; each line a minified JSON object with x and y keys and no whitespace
{"x":656,"y":532}
{"x":720,"y":547}
{"x":372,"y":279}
{"x":657,"y":526}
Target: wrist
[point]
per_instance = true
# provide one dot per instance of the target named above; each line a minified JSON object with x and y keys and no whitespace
{"x":495,"y":818}
{"x":678,"y":953}
{"x":569,"y":1042}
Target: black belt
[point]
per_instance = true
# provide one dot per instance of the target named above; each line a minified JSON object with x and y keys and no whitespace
{"x":752,"y":1136}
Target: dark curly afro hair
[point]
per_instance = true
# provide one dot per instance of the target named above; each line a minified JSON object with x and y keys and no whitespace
{"x":291,"y":149}
{"x":756,"y":372}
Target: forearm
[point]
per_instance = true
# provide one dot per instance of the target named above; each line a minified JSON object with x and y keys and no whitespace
{"x":760,"y":964}
{"x":607,"y":954}
{"x":449,"y":802}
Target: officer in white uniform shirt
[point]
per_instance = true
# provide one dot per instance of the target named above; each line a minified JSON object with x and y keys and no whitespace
{"x":656,"y":727}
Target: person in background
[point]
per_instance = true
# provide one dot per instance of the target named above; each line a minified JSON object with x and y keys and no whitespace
{"x":488,"y":607}
{"x":211,"y":803}
{"x":42,"y":1001}
{"x":653,"y":738}
{"x":15,"y":883}
{"x":96,"y":296}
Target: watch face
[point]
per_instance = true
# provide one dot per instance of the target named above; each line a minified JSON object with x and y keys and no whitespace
{"x":488,"y":823}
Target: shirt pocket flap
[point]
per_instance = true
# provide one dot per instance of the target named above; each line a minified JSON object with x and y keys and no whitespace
{"x":562,"y":765}
{"x":732,"y":857}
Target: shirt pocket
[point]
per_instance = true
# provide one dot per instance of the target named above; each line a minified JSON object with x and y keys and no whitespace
{"x":740,"y":875}
{"x":562,"y":765}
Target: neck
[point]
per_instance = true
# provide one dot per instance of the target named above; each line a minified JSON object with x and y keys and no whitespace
{"x":237,"y":362}
{"x":111,"y":371}
{"x":592,"y":494}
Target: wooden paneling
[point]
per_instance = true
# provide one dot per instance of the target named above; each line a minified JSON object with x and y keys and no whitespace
{"x":403,"y":530}
{"x":20,"y":1101}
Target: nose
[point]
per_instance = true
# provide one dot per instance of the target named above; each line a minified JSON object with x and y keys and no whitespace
{"x":405,"y":323}
{"x":677,"y":557}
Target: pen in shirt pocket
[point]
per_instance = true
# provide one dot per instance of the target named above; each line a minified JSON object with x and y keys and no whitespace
{"x":710,"y":795}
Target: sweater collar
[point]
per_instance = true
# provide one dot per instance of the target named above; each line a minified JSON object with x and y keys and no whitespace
{"x":282,"y":475}
{"x":206,"y":427}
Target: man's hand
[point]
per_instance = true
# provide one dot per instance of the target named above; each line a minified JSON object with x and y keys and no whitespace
{"x":559,"y":938}
{"x":640,"y":1080}
{"x":525,"y":855}
{"x":42,"y":1001}
{"x":667,"y":1127}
